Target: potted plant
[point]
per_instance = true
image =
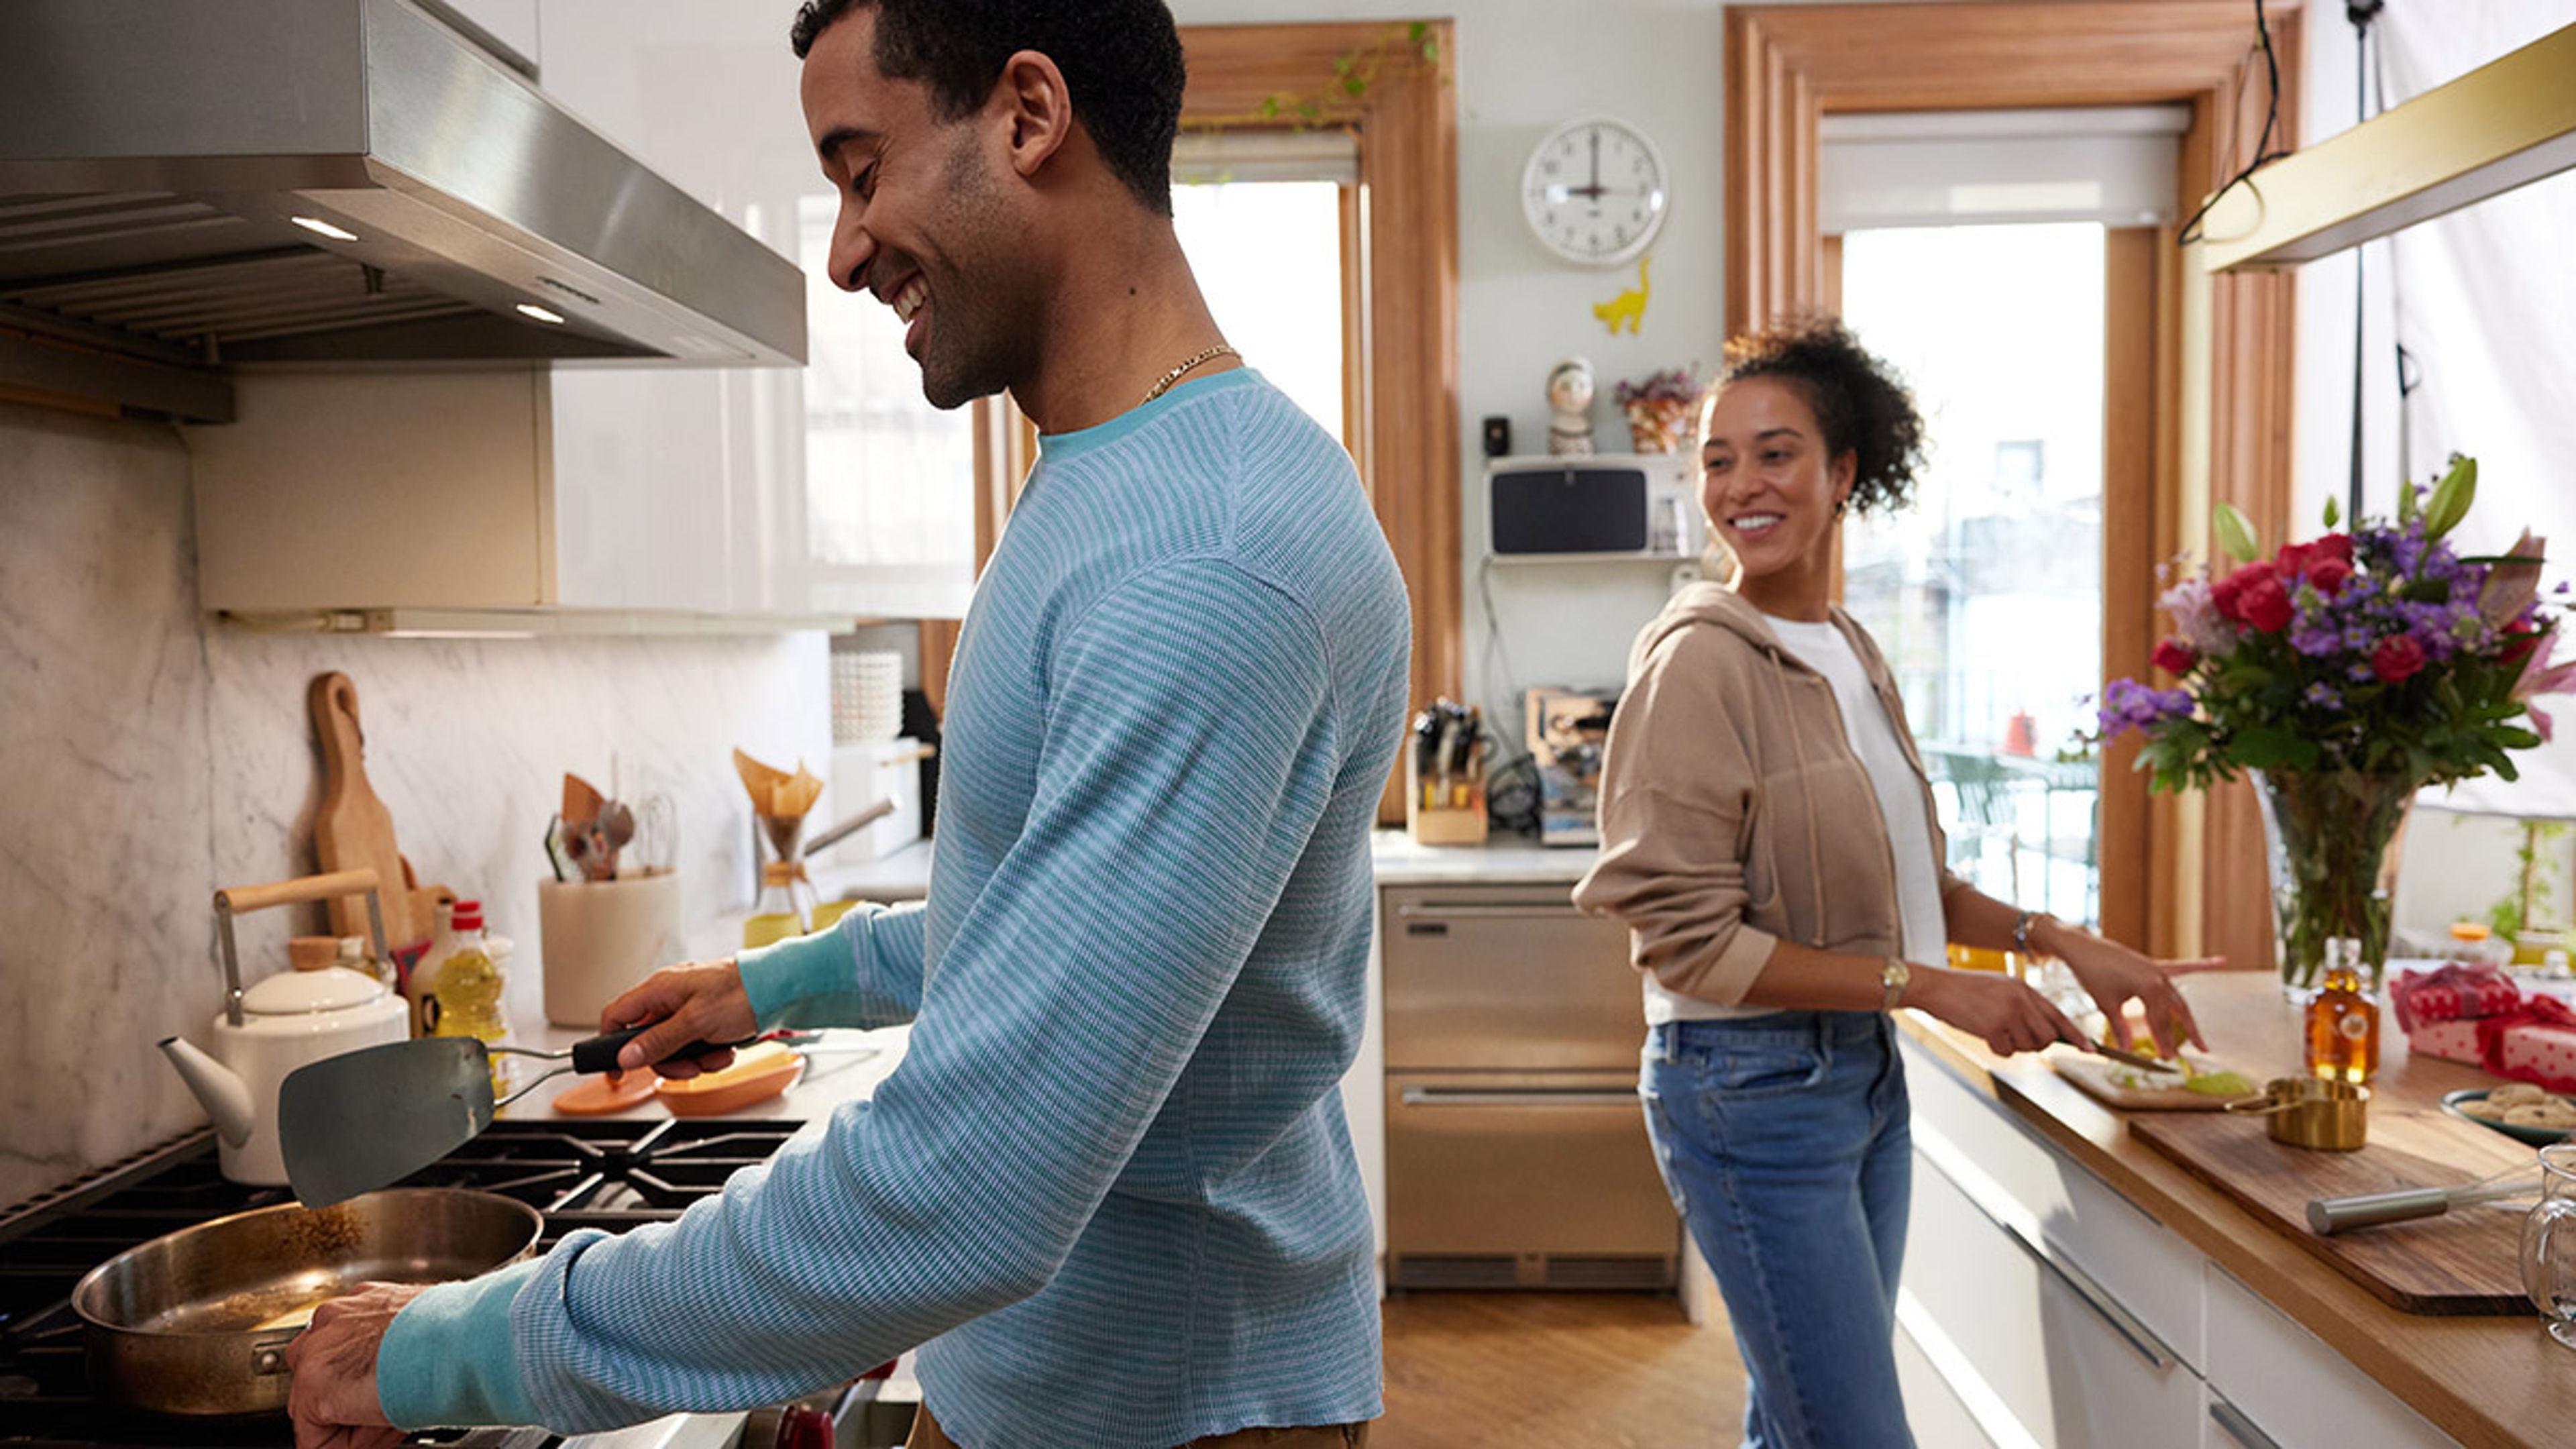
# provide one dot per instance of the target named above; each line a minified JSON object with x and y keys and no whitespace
{"x":1658,"y":408}
{"x":2344,"y":674}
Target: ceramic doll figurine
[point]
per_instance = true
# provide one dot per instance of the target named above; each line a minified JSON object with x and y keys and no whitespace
{"x":1569,"y":402}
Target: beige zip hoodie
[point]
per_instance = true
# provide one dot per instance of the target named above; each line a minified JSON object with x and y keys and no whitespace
{"x":1734,"y":814}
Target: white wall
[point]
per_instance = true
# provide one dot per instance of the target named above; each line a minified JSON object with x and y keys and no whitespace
{"x":1520,"y":67}
{"x":148,"y":757}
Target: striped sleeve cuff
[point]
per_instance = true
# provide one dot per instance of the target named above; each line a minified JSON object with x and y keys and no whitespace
{"x":448,"y":1358}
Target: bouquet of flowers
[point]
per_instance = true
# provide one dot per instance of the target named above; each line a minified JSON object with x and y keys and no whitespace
{"x":2344,"y":674}
{"x":1657,"y":408}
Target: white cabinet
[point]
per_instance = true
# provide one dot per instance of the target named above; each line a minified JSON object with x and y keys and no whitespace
{"x":2041,"y":1307}
{"x":610,"y":494}
{"x":839,"y":487}
{"x":436,"y":491}
{"x":2284,"y":1386}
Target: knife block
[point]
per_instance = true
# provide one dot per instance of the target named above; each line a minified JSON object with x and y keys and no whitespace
{"x":1458,"y":820}
{"x":598,"y":938}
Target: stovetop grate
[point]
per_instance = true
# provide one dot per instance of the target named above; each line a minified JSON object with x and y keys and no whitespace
{"x":613,"y":1174}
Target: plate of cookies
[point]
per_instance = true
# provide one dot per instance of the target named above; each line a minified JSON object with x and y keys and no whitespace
{"x":2516,"y":1109}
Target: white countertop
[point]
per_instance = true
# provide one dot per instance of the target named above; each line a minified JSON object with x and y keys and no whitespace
{"x":1504,"y":859}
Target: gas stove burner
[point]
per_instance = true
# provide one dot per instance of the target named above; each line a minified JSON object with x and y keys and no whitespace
{"x":612,"y":1174}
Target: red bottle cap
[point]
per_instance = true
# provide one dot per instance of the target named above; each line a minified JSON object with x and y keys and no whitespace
{"x":468,"y":916}
{"x":803,"y":1428}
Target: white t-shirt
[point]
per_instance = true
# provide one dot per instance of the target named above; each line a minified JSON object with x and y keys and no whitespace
{"x":1822,"y":647}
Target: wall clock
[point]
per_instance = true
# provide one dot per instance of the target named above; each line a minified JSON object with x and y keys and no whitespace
{"x":1594,"y":191}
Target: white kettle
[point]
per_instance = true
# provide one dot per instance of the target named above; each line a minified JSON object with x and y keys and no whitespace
{"x":284,"y":1022}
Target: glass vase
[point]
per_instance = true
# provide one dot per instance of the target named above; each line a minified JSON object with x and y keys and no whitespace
{"x":2330,"y":837}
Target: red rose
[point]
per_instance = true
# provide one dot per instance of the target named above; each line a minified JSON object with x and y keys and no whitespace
{"x":2397,"y":659}
{"x":2175,"y":657}
{"x":2336,"y":546}
{"x":2291,"y":561}
{"x":2328,"y":573}
{"x":2519,"y":641}
{"x":2266,"y":605}
{"x":2228,"y":594}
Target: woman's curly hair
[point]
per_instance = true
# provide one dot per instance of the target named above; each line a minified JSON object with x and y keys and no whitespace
{"x":1860,"y":403}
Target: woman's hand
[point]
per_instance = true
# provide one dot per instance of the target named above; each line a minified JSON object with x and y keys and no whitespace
{"x":693,"y":1001}
{"x":2114,"y":975}
{"x":2007,"y":1013}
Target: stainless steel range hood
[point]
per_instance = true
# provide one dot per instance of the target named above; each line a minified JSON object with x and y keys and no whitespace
{"x":186,"y":187}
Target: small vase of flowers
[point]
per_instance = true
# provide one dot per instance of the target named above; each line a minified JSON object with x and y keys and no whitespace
{"x":2342,"y":675}
{"x":1658,"y":408}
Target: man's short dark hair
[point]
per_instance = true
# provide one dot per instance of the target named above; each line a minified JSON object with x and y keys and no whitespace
{"x":1121,"y":61}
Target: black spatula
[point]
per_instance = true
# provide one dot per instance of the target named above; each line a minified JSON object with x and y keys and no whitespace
{"x":367,"y":1119}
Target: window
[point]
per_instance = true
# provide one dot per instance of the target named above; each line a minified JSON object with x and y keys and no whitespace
{"x":1986,"y":592}
{"x":889,"y":500}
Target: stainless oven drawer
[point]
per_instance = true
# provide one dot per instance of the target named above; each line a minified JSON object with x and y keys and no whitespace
{"x":1506,"y":978}
{"x":1513,"y":1180}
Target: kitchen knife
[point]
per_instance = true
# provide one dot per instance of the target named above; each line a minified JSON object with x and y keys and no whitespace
{"x":2153,"y":1064}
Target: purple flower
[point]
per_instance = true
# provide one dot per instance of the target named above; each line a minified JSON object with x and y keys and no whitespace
{"x":2128,"y":705}
{"x":2315,"y":641}
{"x":2324,"y":696}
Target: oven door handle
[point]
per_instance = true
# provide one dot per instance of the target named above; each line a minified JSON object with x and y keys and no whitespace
{"x":1516,"y":1097}
{"x":1531,"y":911}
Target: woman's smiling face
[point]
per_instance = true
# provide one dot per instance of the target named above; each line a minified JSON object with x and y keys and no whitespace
{"x":1772,"y":489}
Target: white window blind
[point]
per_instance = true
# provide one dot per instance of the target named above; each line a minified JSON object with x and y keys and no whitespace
{"x":2107,"y":164}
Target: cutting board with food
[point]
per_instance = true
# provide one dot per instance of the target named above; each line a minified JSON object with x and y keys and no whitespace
{"x":2206,"y":1088}
{"x":2462,"y":1262}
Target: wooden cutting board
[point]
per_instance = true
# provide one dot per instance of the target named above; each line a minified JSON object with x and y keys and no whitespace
{"x":2462,"y":1262}
{"x":353,"y":828}
{"x":2099,"y":1077}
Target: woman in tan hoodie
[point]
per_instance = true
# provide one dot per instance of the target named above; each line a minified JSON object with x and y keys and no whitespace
{"x":1769,"y":837}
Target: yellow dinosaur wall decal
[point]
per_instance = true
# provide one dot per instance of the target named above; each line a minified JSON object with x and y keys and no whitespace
{"x":1629,"y":306}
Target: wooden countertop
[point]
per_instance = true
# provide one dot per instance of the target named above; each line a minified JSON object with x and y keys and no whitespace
{"x":2484,"y":1381}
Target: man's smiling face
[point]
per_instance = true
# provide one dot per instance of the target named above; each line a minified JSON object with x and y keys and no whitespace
{"x":923,"y":226}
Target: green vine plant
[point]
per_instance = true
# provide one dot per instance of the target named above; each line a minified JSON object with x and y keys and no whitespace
{"x":1333,"y":102}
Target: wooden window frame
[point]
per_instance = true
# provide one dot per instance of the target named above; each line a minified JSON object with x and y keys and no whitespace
{"x":2180,"y":875}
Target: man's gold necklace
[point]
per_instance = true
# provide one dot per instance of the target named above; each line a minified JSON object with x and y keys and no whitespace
{"x":1177,"y":373}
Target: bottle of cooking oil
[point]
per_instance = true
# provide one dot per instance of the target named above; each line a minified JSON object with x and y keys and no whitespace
{"x":2343,"y":1020}
{"x":780,"y":911}
{"x":459,"y":985}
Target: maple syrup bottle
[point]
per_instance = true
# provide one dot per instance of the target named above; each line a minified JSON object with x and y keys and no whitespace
{"x":2343,"y":1020}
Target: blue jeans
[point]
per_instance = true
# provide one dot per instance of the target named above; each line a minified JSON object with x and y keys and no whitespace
{"x":1784,"y":1141}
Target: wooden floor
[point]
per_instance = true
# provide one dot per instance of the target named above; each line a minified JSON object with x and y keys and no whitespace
{"x":1554,"y":1371}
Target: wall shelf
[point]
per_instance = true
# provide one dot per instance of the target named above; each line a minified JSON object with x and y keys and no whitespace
{"x":2505,"y":124}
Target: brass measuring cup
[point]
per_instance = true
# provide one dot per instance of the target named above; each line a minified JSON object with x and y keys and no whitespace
{"x":2325,"y":1113}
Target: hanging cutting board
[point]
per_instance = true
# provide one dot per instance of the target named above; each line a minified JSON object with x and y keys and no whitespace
{"x":353,"y":829}
{"x":2462,"y":1262}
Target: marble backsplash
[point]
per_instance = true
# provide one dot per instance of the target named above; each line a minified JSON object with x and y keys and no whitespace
{"x":148,"y":756}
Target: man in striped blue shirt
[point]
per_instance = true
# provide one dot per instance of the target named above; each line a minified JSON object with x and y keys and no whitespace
{"x":1109,"y":1192}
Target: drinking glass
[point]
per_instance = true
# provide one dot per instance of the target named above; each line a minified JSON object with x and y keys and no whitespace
{"x":2549,"y":1243}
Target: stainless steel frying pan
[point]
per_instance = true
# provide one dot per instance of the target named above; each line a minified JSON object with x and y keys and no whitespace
{"x":197,"y":1322}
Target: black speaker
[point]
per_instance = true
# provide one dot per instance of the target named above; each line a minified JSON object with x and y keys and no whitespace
{"x":1498,"y":436}
{"x":1573,"y":507}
